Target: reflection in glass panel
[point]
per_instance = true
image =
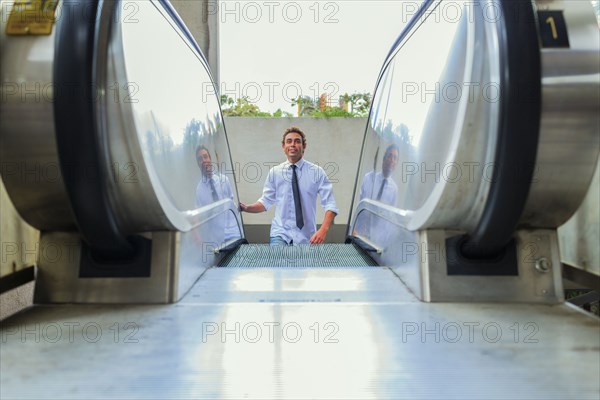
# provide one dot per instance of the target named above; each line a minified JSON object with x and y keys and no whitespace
{"x":212,"y":187}
{"x":177,"y":115}
{"x":380,"y":185}
{"x":416,"y":121}
{"x":232,"y":229}
{"x":377,"y":230}
{"x":370,"y":164}
{"x":407,"y":113}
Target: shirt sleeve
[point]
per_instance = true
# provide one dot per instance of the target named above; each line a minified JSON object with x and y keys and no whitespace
{"x":326,"y":194}
{"x":227,"y":191}
{"x":197,"y":201}
{"x":395,"y":197}
{"x":269,"y":195}
{"x":363,"y":188}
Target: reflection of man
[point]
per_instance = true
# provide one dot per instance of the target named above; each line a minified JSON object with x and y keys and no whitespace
{"x":213,"y":187}
{"x":381,"y":187}
{"x":293,"y":187}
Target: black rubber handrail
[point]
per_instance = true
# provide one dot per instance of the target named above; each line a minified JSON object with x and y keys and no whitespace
{"x":80,"y":148}
{"x":518,"y":131}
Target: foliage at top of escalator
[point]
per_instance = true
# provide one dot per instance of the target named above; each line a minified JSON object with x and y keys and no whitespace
{"x":348,"y":105}
{"x":242,"y":107}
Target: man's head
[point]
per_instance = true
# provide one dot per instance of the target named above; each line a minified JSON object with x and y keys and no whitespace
{"x":293,"y":144}
{"x":390,"y":159}
{"x":204,"y":160}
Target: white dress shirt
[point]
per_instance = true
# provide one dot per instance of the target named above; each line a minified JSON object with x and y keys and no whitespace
{"x":223,"y":227}
{"x":372,"y":184}
{"x":367,"y":224}
{"x":312,"y":180}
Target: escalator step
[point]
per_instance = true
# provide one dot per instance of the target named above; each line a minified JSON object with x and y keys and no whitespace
{"x":331,"y":255}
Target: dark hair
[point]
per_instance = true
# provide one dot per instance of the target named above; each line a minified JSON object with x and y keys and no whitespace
{"x":294,"y":129}
{"x":202,"y":147}
{"x":390,"y":148}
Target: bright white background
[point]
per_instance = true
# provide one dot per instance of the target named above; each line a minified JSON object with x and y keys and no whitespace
{"x":272,"y":51}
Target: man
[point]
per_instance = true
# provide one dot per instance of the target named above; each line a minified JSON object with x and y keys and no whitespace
{"x":381,"y":187}
{"x":213,"y":187}
{"x":293,"y":187}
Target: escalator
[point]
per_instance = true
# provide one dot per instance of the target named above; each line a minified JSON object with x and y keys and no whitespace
{"x":444,"y":288}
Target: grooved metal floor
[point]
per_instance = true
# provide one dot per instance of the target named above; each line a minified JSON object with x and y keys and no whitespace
{"x":300,"y":333}
{"x":322,"y":256}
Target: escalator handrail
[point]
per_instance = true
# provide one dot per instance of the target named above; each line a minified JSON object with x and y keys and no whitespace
{"x":396,"y":216}
{"x":80,"y":149}
{"x":518,"y":131}
{"x":80,"y":47}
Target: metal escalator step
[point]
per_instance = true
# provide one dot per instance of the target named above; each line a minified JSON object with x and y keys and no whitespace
{"x":330,"y":255}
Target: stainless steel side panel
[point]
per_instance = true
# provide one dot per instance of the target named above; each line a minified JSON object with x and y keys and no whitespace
{"x":570,"y":128}
{"x":29,"y":161}
{"x":178,"y":259}
{"x":531,"y":285}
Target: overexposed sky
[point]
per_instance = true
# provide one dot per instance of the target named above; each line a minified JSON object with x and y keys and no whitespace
{"x":273,"y":51}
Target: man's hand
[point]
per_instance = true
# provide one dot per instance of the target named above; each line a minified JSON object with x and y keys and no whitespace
{"x":319,"y":236}
{"x":257,"y":207}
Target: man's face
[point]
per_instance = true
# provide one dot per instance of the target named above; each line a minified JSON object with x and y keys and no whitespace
{"x":389,"y":162}
{"x":293,"y":147}
{"x":204,"y":162}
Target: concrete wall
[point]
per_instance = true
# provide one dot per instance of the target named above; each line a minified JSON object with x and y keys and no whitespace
{"x":333,"y":143}
{"x":580,"y":236}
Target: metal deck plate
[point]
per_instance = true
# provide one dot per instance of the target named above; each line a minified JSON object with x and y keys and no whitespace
{"x":297,"y":333}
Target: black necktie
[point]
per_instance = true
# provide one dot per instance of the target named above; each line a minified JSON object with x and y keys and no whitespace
{"x":381,"y":189}
{"x":215,"y":196}
{"x":297,"y":203}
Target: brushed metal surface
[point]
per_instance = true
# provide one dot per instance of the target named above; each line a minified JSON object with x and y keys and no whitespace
{"x":58,"y":278}
{"x":570,"y":128}
{"x":530,"y":286}
{"x":29,"y":161}
{"x":150,"y":163}
{"x":299,"y":334}
{"x":178,"y":259}
{"x":444,"y":118}
{"x":451,"y":140}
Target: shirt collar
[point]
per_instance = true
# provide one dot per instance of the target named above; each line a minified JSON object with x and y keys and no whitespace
{"x":213,"y":178}
{"x":299,"y":164}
